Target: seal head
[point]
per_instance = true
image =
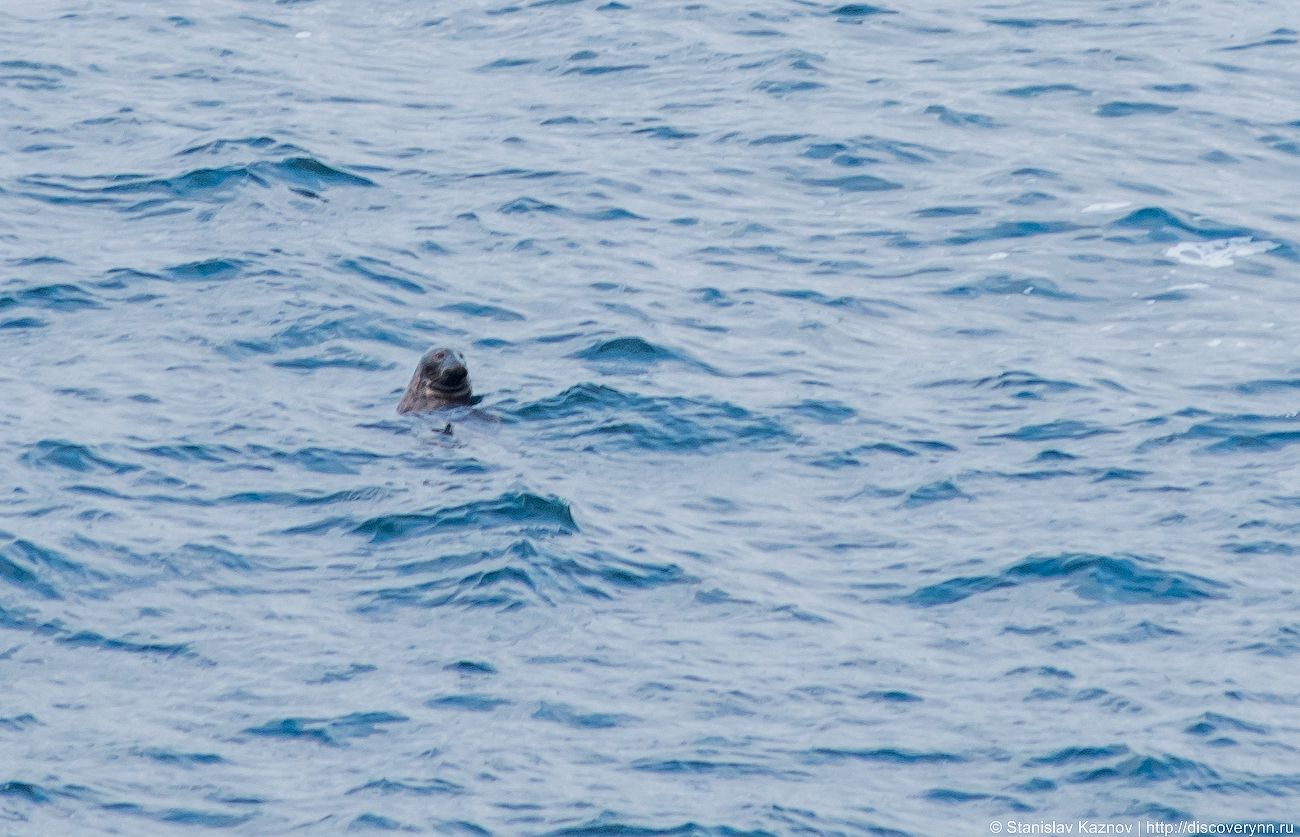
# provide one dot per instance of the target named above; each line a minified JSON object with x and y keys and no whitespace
{"x":440,"y":380}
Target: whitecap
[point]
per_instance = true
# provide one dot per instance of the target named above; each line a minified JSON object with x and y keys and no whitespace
{"x":1218,"y":253}
{"x":1106,"y":207}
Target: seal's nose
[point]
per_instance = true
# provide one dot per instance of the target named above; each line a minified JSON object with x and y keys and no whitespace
{"x":455,"y":375}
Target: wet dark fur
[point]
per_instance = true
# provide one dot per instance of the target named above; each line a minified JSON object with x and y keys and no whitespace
{"x":440,"y":380}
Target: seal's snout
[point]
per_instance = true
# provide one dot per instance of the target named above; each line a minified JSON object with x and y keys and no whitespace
{"x":441,"y":380}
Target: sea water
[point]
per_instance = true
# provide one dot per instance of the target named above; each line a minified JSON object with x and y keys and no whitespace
{"x":888,"y":423}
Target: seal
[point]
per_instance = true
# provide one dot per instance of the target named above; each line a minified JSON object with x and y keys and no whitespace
{"x":440,"y":380}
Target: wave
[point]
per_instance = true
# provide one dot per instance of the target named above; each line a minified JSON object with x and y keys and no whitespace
{"x":1097,"y":577}
{"x":135,"y":193}
{"x":600,"y":417}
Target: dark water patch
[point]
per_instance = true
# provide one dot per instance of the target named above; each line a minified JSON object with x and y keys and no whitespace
{"x":23,"y":322}
{"x":204,"y":270}
{"x":562,"y":713}
{"x":665,"y":132}
{"x":902,"y":152}
{"x":470,"y":667}
{"x":90,"y":639}
{"x":1042,"y":671}
{"x":935,"y":492}
{"x":601,"y":417}
{"x":180,"y":759}
{"x":58,"y":453}
{"x":335,"y":358}
{"x":521,"y":174}
{"x":526,"y":205}
{"x":880,"y":447}
{"x":890,"y":697}
{"x":1037,"y":22}
{"x":860,"y":10}
{"x":1025,"y":384}
{"x":890,"y":755}
{"x":784,"y":88}
{"x":1236,"y":434}
{"x":473,"y":703}
{"x":1268,"y":385}
{"x":1116,"y":109}
{"x":1121,"y":474}
{"x":320,"y":527}
{"x":383,"y":273}
{"x":1264,"y":43}
{"x":605,"y":69}
{"x":1147,"y":769}
{"x":1045,"y":174}
{"x":21,"y":566}
{"x":375,"y":822}
{"x":138,"y":193}
{"x":1003,"y":284}
{"x":1140,"y":632}
{"x":18,"y":723}
{"x":1099,"y":578}
{"x":952,"y":117}
{"x":524,"y":509}
{"x":822,"y":151}
{"x":1209,"y":723}
{"x":328,"y":730}
{"x":1031,"y":198}
{"x":700,"y":767}
{"x":424,"y":787}
{"x":506,"y":63}
{"x":951,"y":796}
{"x":1012,"y":229}
{"x":50,"y":297}
{"x":1035,"y":90}
{"x":305,"y":498}
{"x":1283,"y":642}
{"x":1060,"y":429}
{"x":856,"y":304}
{"x":823,"y":412}
{"x":612,"y":214}
{"x":220,"y":145}
{"x":318,"y":460}
{"x":519,"y":574}
{"x":1072,"y":755}
{"x":1260,"y":548}
{"x":310,"y":173}
{"x":634,"y":352}
{"x":853,"y":183}
{"x":946,"y":211}
{"x":25,"y":790}
{"x":1165,"y":226}
{"x":186,"y":452}
{"x":353,"y":670}
{"x":719,"y":596}
{"x":779,"y":139}
{"x":608,"y":826}
{"x":307,"y":728}
{"x":308,"y":332}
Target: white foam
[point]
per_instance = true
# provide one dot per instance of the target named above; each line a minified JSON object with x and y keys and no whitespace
{"x":1217,"y":253}
{"x":1107,"y":207}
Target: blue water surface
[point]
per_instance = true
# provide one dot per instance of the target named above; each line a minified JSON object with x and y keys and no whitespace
{"x":889,"y":416}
